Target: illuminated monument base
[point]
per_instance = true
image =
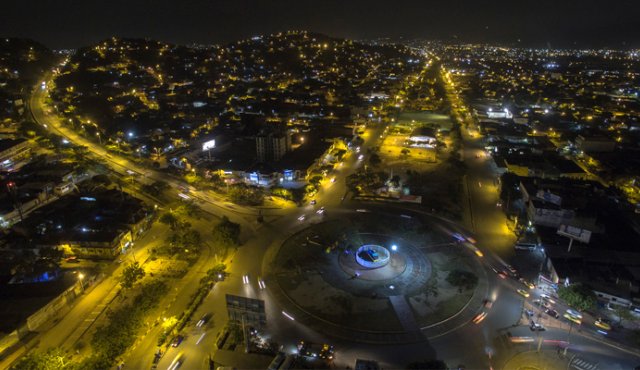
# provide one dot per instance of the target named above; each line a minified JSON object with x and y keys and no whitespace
{"x":374,"y":262}
{"x":372,"y":256}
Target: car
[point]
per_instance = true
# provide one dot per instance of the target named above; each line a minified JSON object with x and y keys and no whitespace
{"x":512,"y":270}
{"x":552,"y":313}
{"x":502,"y":274}
{"x":203,"y":320}
{"x":459,"y":238}
{"x":479,"y":317}
{"x":527,"y":283}
{"x":177,"y":340}
{"x":487,"y":303}
{"x":536,"y":327}
{"x":547,"y":298}
{"x":602,"y":324}
{"x":320,"y":211}
{"x":313,"y":202}
{"x":301,"y":218}
{"x":523,"y":293}
{"x":529,"y":313}
{"x":573,"y":312}
{"x":541,"y":302}
{"x":177,"y":362}
{"x":333,"y":179}
{"x":572,"y":318}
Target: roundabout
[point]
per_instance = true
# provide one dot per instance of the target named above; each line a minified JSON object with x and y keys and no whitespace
{"x":375,"y":278}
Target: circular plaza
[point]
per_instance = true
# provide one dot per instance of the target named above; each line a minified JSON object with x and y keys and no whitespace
{"x":374,"y":276}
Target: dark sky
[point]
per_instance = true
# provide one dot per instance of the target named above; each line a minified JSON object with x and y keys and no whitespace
{"x":561,"y":23}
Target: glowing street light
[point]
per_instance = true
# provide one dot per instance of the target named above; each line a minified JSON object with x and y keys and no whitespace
{"x":81,"y":280}
{"x":394,"y":247}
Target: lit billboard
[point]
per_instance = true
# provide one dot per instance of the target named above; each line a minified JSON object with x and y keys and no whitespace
{"x":208,"y":145}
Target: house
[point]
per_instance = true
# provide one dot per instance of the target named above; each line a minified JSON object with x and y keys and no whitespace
{"x":12,"y":151}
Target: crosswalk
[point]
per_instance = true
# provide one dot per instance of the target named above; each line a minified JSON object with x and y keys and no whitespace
{"x":582,"y":364}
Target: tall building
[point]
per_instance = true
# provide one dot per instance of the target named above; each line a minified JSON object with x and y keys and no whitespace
{"x":271,"y":146}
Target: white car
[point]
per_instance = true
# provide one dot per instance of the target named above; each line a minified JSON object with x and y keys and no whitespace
{"x":301,"y":218}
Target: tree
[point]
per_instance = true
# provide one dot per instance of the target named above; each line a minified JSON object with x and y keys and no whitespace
{"x":374,"y":160}
{"x":623,"y":313}
{"x":578,"y":296}
{"x":245,"y":195}
{"x":169,"y":218}
{"x":315,"y":180}
{"x":190,"y":238}
{"x":509,"y":184}
{"x":462,"y":279}
{"x":226,"y":233}
{"x":130,"y":274}
{"x":52,"y":359}
{"x":101,"y":179}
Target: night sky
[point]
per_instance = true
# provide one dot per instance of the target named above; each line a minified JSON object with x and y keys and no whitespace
{"x":559,"y":23}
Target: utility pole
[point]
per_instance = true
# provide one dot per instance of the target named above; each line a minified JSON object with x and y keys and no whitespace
{"x":13,"y":192}
{"x":568,"y":337}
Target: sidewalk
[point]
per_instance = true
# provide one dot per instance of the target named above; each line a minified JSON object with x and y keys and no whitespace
{"x":543,"y":360}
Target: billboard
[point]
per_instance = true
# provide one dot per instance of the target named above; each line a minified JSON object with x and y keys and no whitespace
{"x":575,"y":233}
{"x":207,"y":145}
{"x":249,"y":310}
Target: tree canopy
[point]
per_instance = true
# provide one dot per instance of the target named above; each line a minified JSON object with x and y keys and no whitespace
{"x":462,"y":279}
{"x":578,"y":296}
{"x":226,"y":233}
{"x":130,"y":274}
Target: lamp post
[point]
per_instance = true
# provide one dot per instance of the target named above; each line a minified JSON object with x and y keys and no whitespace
{"x":99,"y":138}
{"x":81,"y":280}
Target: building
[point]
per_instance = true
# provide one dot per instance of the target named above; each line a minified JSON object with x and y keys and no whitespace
{"x":595,"y":143}
{"x":553,"y":203}
{"x":12,"y":151}
{"x":272,"y":146}
{"x":423,"y":137}
{"x":98,"y":225}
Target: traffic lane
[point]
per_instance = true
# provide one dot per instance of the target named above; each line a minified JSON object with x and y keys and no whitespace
{"x":476,"y":341}
{"x":608,"y":357}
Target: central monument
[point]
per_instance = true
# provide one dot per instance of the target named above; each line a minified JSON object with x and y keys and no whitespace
{"x":372,"y":256}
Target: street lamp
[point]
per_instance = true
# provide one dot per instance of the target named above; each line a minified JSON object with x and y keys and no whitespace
{"x":99,"y":138}
{"x":81,"y":279}
{"x":394,"y":247}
